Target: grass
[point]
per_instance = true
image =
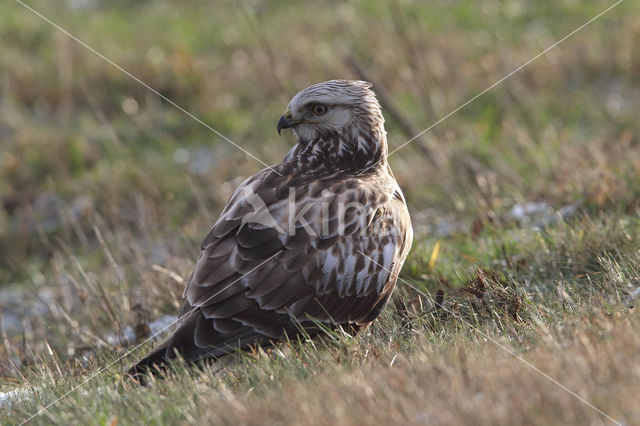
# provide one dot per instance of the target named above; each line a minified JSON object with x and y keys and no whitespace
{"x":106,"y":192}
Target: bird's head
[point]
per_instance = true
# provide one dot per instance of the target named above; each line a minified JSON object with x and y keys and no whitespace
{"x":343,"y":108}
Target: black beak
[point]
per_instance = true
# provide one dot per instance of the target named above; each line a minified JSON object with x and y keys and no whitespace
{"x":283,"y":123}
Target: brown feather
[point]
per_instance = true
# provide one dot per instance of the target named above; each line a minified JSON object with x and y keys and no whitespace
{"x":255,"y":281}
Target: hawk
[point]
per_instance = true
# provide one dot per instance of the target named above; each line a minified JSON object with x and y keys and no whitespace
{"x":315,"y":241}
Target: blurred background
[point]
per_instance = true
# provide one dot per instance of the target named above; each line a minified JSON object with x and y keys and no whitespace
{"x":106,"y":190}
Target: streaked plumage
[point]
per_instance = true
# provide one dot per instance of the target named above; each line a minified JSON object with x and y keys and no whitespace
{"x":259,"y":277}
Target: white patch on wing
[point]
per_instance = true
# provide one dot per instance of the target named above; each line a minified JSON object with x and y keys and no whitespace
{"x":362,"y":277}
{"x":329,"y":264}
{"x":362,"y":144}
{"x":387,"y":261}
{"x":345,"y":279}
{"x":342,"y":148}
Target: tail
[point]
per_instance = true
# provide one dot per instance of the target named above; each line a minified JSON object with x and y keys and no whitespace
{"x":154,"y":362}
{"x":180,"y":343}
{"x":196,"y":339}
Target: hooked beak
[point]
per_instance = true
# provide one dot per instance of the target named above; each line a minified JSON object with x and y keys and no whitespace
{"x":285,"y":121}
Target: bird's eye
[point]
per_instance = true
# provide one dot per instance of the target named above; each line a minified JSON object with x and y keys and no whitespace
{"x":319,"y":109}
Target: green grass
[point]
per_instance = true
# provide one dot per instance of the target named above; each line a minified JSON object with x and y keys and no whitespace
{"x":94,"y":191}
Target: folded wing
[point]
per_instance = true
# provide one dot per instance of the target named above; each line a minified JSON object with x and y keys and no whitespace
{"x":278,"y":260}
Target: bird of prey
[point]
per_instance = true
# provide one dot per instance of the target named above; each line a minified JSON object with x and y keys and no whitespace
{"x":315,"y":241}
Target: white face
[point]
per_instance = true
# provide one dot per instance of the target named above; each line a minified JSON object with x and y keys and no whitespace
{"x":336,"y":106}
{"x":316,"y":115}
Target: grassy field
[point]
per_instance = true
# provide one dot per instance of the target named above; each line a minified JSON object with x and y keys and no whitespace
{"x":515,"y":305}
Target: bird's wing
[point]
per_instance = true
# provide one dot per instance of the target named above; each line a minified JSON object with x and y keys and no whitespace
{"x":267,"y":255}
{"x":336,"y":261}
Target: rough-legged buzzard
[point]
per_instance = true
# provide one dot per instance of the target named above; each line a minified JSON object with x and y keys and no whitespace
{"x":317,"y":239}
